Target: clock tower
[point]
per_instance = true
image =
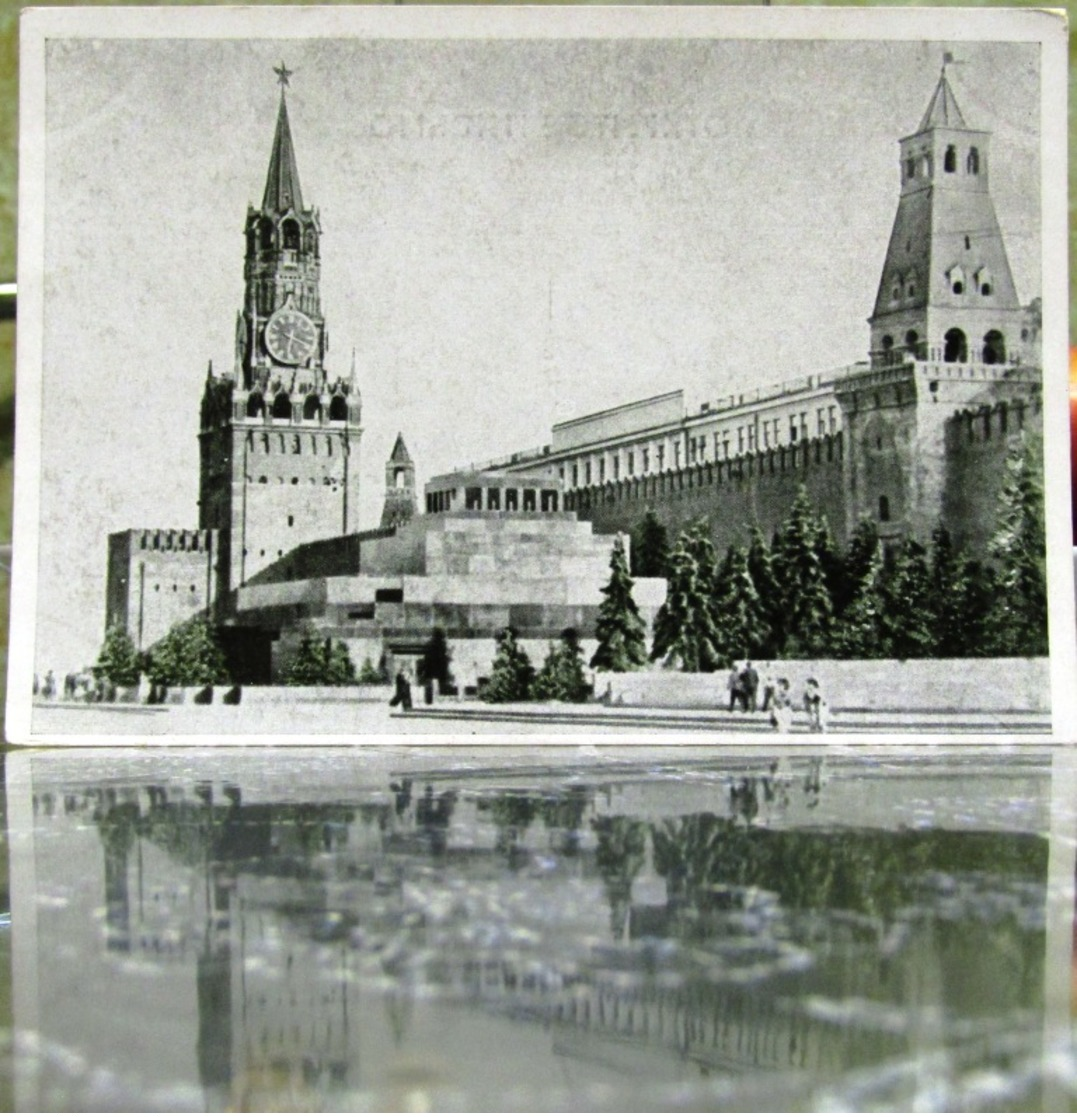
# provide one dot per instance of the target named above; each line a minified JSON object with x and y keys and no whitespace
{"x":279,"y":434}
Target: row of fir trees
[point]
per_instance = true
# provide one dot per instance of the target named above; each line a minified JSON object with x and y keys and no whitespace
{"x":190,"y":655}
{"x":799,"y":595}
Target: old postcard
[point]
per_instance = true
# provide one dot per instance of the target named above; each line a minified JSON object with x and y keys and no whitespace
{"x":542,"y":375}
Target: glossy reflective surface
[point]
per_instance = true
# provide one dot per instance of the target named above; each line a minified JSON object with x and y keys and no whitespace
{"x":264,"y":929}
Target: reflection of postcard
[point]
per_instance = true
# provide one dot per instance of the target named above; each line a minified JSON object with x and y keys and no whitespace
{"x":777,"y":298}
{"x":715,"y":930}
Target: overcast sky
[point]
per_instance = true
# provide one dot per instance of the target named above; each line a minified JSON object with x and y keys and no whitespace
{"x":513,"y":234}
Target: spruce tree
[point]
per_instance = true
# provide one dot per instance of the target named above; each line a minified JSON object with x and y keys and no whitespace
{"x":857,"y":632}
{"x":907,"y":619}
{"x":119,"y":661}
{"x":369,"y":675}
{"x":320,"y":662}
{"x":340,"y":671}
{"x":831,"y":561}
{"x":1018,"y":619}
{"x":650,"y":547}
{"x":961,"y":599}
{"x":189,"y":655}
{"x":561,"y":678}
{"x":761,"y":570}
{"x":861,"y":562}
{"x":512,"y":675}
{"x":806,"y":607}
{"x":739,"y":614}
{"x":684,"y":631}
{"x":622,"y":635}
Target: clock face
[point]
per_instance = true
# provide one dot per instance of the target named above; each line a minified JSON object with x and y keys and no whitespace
{"x":290,"y":337}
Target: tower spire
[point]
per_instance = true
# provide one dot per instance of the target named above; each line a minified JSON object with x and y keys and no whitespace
{"x":942,"y":110}
{"x":282,"y":182}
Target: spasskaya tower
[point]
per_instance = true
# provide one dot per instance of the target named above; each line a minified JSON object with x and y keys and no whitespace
{"x":279,"y":433}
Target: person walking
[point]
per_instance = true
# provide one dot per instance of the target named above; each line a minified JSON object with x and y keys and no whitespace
{"x":402,"y":692}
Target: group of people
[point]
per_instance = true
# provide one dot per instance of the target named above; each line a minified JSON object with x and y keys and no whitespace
{"x":78,"y":686}
{"x":777,"y":698}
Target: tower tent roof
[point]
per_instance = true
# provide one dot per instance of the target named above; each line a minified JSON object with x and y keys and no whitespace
{"x":282,"y":181}
{"x":942,"y":110}
{"x":400,"y":451}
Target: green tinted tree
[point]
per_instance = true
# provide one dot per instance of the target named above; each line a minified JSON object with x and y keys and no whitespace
{"x":738,"y":612}
{"x":511,"y":675}
{"x":685,"y":634}
{"x":962,"y":591}
{"x":621,"y":633}
{"x":907,"y":623}
{"x":119,"y":661}
{"x":340,"y":671}
{"x":861,"y":563}
{"x":832,"y":563}
{"x":761,"y":570}
{"x":320,"y":662}
{"x":650,"y":547}
{"x":806,"y":606}
{"x":189,"y":655}
{"x":1018,"y":618}
{"x":857,"y":632}
{"x":561,"y":678}
{"x":369,"y":675}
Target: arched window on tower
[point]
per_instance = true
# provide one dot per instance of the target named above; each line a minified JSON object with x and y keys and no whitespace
{"x":884,"y":509}
{"x":887,"y":343}
{"x":912,"y":343}
{"x":310,"y":243}
{"x":956,"y":278}
{"x":290,"y":235}
{"x":972,"y":164}
{"x":400,"y":479}
{"x":282,"y":406}
{"x":994,"y":348}
{"x":312,"y":408}
{"x":956,"y":349}
{"x":265,"y":233}
{"x":338,"y":410}
{"x":256,"y":406}
{"x":949,"y":161}
{"x":984,"y":282}
{"x":910,"y":168}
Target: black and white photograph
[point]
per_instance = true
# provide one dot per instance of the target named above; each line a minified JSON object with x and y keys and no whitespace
{"x":529,"y":375}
